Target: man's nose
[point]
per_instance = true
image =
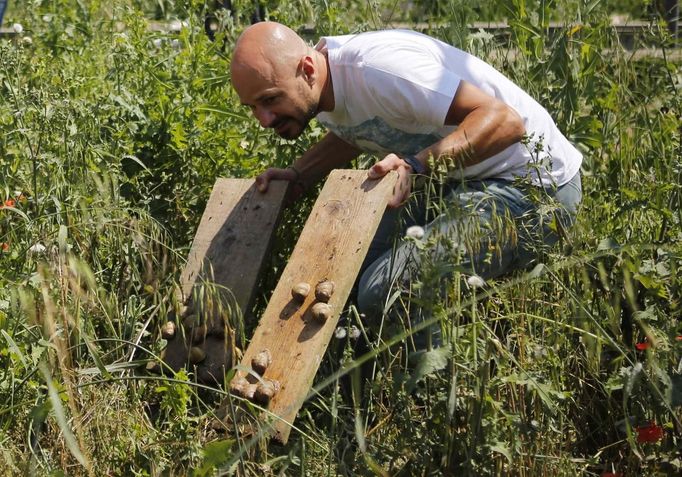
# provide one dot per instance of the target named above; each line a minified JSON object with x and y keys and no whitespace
{"x":265,"y":117}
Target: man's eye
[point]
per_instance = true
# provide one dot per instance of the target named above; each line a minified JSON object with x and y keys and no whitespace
{"x":269,"y":100}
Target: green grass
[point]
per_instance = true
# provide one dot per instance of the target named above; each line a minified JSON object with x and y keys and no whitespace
{"x":110,"y":142}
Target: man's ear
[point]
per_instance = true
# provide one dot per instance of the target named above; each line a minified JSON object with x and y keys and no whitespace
{"x":307,"y":68}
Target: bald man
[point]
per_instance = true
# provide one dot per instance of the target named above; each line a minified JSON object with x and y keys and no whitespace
{"x":417,"y":103}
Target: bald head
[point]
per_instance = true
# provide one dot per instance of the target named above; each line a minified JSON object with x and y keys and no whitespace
{"x":268,"y":45}
{"x":282,"y":79}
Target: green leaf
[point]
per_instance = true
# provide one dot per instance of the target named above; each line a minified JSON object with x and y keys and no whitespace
{"x":676,"y":393}
{"x":13,"y":347}
{"x":428,"y":362}
{"x":501,"y":448}
{"x":537,"y":271}
{"x":224,"y":112}
{"x":60,"y":415}
{"x":632,"y":376}
{"x":215,"y":454}
{"x":607,"y":244}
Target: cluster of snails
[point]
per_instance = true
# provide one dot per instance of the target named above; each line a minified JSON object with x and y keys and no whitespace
{"x":261,"y":391}
{"x":321,"y":310}
{"x":196,"y":331}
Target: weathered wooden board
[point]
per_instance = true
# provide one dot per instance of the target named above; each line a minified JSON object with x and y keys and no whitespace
{"x":234,"y":236}
{"x":332,"y":246}
{"x":229,"y":249}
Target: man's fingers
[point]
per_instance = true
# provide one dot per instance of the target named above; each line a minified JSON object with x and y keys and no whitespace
{"x":376,"y":171}
{"x":384,"y":166}
{"x":274,"y":174}
{"x":402,"y":189}
{"x":262,"y":182}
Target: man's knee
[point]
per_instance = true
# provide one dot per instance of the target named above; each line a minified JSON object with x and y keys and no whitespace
{"x":372,"y":290}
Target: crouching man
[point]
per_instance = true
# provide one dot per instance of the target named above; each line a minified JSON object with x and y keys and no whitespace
{"x":425,"y":108}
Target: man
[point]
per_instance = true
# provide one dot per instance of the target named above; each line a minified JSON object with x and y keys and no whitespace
{"x":418,"y":103}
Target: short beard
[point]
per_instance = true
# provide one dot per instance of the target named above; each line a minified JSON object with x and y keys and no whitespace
{"x":308,"y":116}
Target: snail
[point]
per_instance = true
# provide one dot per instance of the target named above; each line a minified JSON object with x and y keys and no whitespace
{"x":196,"y":355}
{"x":266,"y":391}
{"x":261,"y":361}
{"x":300,"y":291}
{"x":242,"y":388}
{"x":324,"y":291}
{"x":321,"y":312}
{"x":168,"y":330}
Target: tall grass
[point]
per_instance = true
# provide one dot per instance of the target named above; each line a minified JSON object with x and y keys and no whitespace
{"x":111,"y":140}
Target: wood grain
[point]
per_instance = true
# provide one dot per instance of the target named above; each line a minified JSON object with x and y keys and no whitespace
{"x":233,"y":237}
{"x":229,"y":250}
{"x":332,"y":246}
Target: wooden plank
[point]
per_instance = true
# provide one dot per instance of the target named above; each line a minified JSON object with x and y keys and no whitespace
{"x":229,"y":250}
{"x":332,"y":246}
{"x":234,"y":237}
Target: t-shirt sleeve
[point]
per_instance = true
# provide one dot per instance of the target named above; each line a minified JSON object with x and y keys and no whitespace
{"x":412,"y":86}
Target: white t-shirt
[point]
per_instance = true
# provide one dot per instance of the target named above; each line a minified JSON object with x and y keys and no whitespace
{"x":392,"y":91}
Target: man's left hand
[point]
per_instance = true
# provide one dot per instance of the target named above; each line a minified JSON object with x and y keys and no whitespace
{"x":401,"y":192}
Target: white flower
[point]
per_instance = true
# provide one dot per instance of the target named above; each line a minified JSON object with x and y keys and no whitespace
{"x":176,"y":44}
{"x":17,"y":27}
{"x":37,"y":248}
{"x":27,"y":40}
{"x":175,"y":25}
{"x":415,"y":232}
{"x":354,"y":332}
{"x":340,"y":333}
{"x":475,"y":281}
{"x":47,"y":18}
{"x":157,"y":42}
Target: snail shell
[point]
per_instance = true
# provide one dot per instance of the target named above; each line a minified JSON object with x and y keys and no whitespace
{"x":324,"y":291}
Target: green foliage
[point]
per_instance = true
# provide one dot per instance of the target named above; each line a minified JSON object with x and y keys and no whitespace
{"x":111,"y":136}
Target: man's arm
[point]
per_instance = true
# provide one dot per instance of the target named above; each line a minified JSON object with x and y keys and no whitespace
{"x":331,"y":152}
{"x":486,"y":126}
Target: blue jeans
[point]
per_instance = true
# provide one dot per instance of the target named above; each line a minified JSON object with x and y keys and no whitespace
{"x":487,"y":228}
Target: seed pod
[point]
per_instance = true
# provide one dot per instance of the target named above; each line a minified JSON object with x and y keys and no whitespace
{"x":168,"y":330}
{"x":265,"y":392}
{"x":198,"y":334}
{"x":321,"y":312}
{"x":324,"y":291}
{"x":261,"y":361}
{"x":196,"y":355}
{"x":300,"y":291}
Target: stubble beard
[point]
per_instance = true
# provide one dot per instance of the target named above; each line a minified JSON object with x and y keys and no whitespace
{"x":302,"y":122}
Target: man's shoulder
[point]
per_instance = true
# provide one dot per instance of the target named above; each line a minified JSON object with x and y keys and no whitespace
{"x":377,"y":44}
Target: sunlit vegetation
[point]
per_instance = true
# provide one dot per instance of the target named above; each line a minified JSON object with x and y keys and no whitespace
{"x":112,"y":132}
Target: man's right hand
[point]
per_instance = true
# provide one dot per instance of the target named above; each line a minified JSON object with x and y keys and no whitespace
{"x":274,"y":174}
{"x":296,"y":188}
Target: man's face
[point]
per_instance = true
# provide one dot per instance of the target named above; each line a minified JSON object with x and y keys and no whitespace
{"x":283,"y":104}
